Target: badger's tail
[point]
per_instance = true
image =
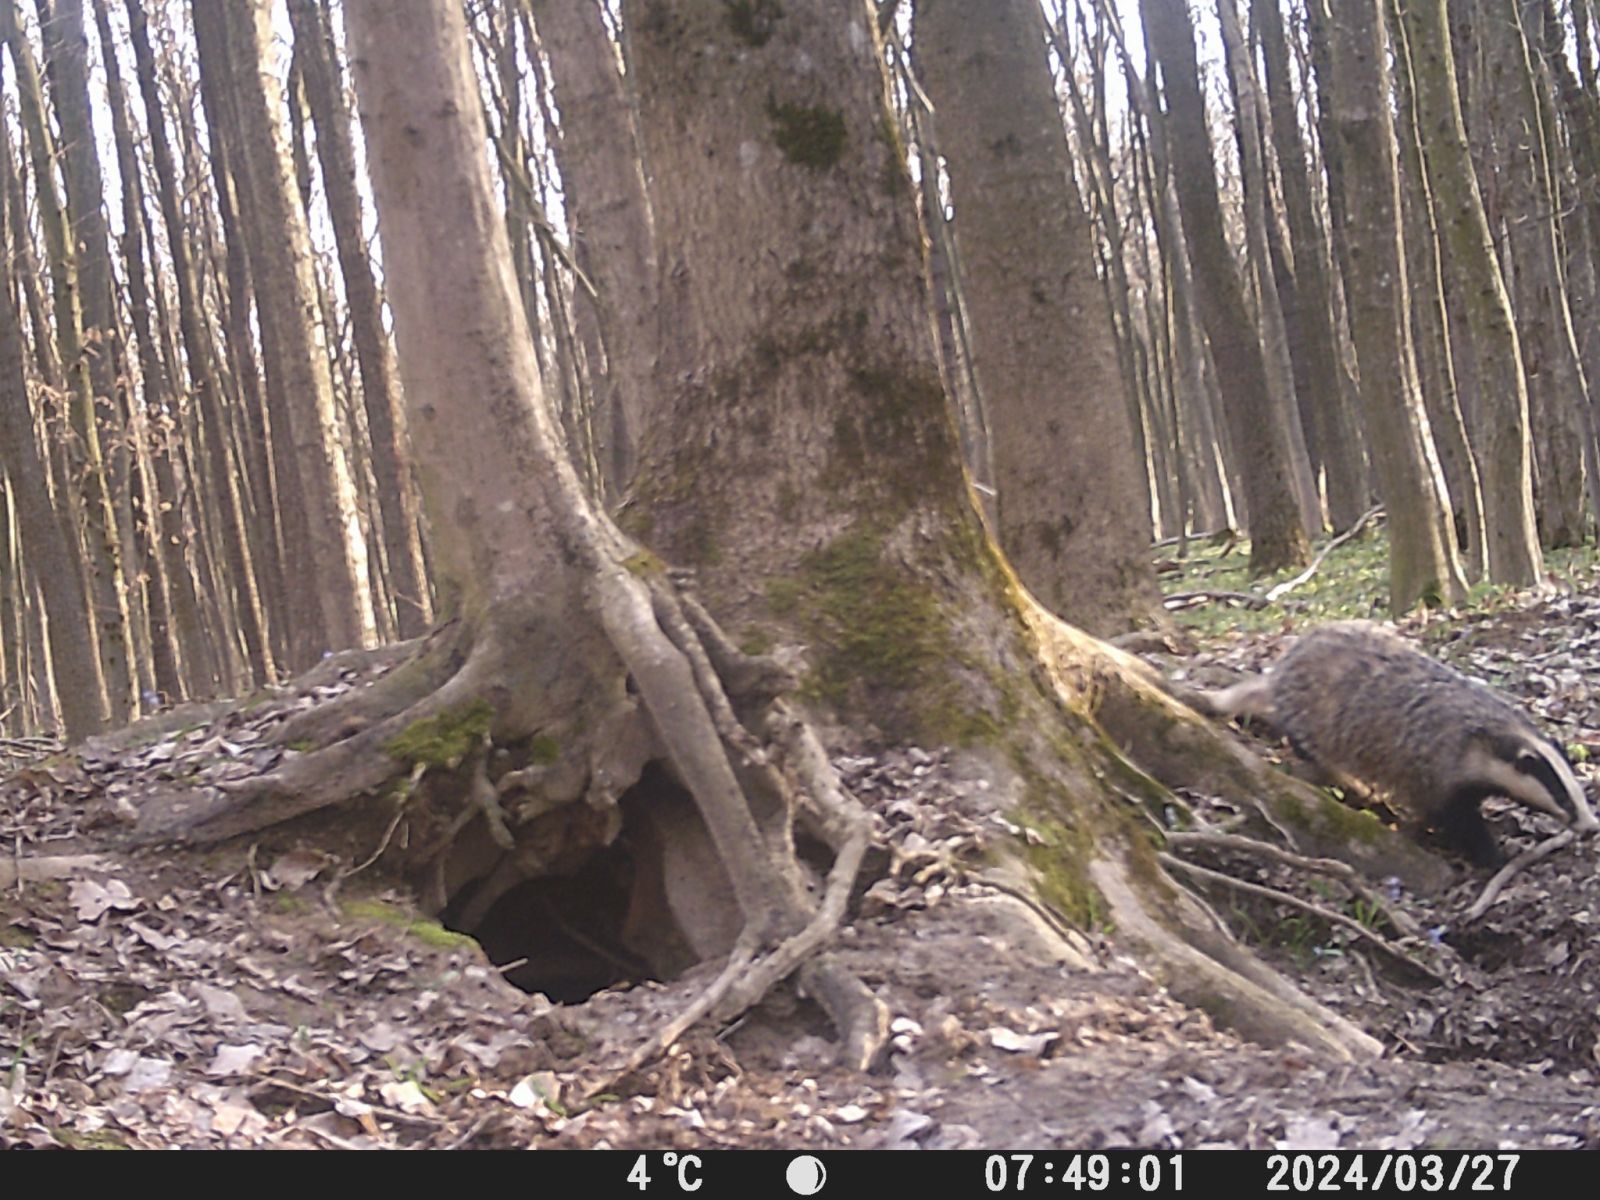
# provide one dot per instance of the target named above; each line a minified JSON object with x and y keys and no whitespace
{"x":1250,"y":698}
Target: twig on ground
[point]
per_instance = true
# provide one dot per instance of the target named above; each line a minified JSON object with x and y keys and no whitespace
{"x":1343,"y":872}
{"x":1505,"y":874}
{"x":1316,"y":910}
{"x":1288,"y":585}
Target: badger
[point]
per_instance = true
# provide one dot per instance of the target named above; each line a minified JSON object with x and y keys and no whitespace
{"x":1364,"y":706}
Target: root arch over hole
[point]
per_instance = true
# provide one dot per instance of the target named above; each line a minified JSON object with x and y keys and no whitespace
{"x":648,"y":905}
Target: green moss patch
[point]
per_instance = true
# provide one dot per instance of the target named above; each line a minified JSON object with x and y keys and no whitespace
{"x":429,"y":933}
{"x":883,"y":644}
{"x":444,"y":740}
{"x":810,"y":136}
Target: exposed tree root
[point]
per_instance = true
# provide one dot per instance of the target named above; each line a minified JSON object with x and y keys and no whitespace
{"x":672,"y":668}
{"x":35,"y":869}
{"x":1400,"y":921}
{"x":1206,"y":967}
{"x":356,"y":766}
{"x":678,"y":661}
{"x":419,"y":668}
{"x":753,"y":767}
{"x":1183,"y":751}
{"x":1321,"y":912}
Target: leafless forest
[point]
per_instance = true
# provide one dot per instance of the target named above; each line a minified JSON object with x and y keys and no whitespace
{"x":675,"y":489}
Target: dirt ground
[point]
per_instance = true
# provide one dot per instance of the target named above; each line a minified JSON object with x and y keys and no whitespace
{"x":257,"y":996}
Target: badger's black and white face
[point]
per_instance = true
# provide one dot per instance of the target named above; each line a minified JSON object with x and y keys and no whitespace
{"x":1533,"y":771}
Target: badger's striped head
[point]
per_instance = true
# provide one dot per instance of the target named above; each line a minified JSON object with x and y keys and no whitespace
{"x":1532,"y":770}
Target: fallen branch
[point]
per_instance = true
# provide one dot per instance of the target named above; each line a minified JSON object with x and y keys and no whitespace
{"x":1288,"y":585}
{"x":1193,"y":599}
{"x":61,"y":866}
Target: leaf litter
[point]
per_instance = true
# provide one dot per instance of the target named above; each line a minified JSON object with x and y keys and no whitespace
{"x":237,"y":998}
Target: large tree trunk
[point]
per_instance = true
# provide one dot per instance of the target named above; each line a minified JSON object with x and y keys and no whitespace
{"x":1316,"y":350}
{"x":579,"y":683}
{"x":380,"y":389}
{"x":1255,"y":424}
{"x":1042,"y":346}
{"x":107,"y":588}
{"x":602,"y":176}
{"x":285,"y":292}
{"x":1558,"y":393}
{"x":1423,"y":562}
{"x":1500,"y":433}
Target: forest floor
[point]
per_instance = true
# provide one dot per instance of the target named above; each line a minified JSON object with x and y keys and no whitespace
{"x":261,"y":995}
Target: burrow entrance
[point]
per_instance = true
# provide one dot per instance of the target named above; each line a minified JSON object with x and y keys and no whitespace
{"x":647,"y":905}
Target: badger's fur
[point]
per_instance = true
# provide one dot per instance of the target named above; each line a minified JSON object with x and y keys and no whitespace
{"x":1363,"y":705}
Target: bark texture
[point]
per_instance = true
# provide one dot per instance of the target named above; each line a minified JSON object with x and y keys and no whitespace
{"x":286,"y":292}
{"x":1040,"y":334}
{"x":380,"y":385}
{"x":1255,"y":425}
{"x":1423,"y":561}
{"x":1500,"y":432}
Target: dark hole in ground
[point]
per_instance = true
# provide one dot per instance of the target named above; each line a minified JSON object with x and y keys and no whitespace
{"x":608,"y":920}
{"x":562,"y":935}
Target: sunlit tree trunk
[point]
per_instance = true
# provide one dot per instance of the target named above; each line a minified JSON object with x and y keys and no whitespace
{"x":285,"y":293}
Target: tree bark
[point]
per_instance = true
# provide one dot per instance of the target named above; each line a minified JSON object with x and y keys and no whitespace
{"x":1437,"y":367}
{"x":1268,"y":308}
{"x":1255,"y":425}
{"x":379,"y":386}
{"x":603,"y":174}
{"x":1316,"y":351}
{"x":1501,"y":432}
{"x":1069,"y":490}
{"x":51,"y":556}
{"x":107,"y":587}
{"x":200,"y":362}
{"x":1423,"y":562}
{"x":1558,"y":393}
{"x":285,"y":291}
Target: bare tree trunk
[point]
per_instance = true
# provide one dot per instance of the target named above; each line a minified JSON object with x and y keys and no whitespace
{"x":1501,"y":431}
{"x":1558,"y":393}
{"x":200,"y":361}
{"x":1069,"y":493}
{"x":1269,"y":311}
{"x":1317,"y":350}
{"x":1423,"y":563}
{"x":49,"y":554}
{"x":1195,"y":442}
{"x":602,"y":170}
{"x":1255,"y":424}
{"x":1437,"y":367}
{"x":106,"y":586}
{"x":285,"y":292}
{"x":1110,"y":250}
{"x":380,"y":389}
{"x":172,"y":581}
